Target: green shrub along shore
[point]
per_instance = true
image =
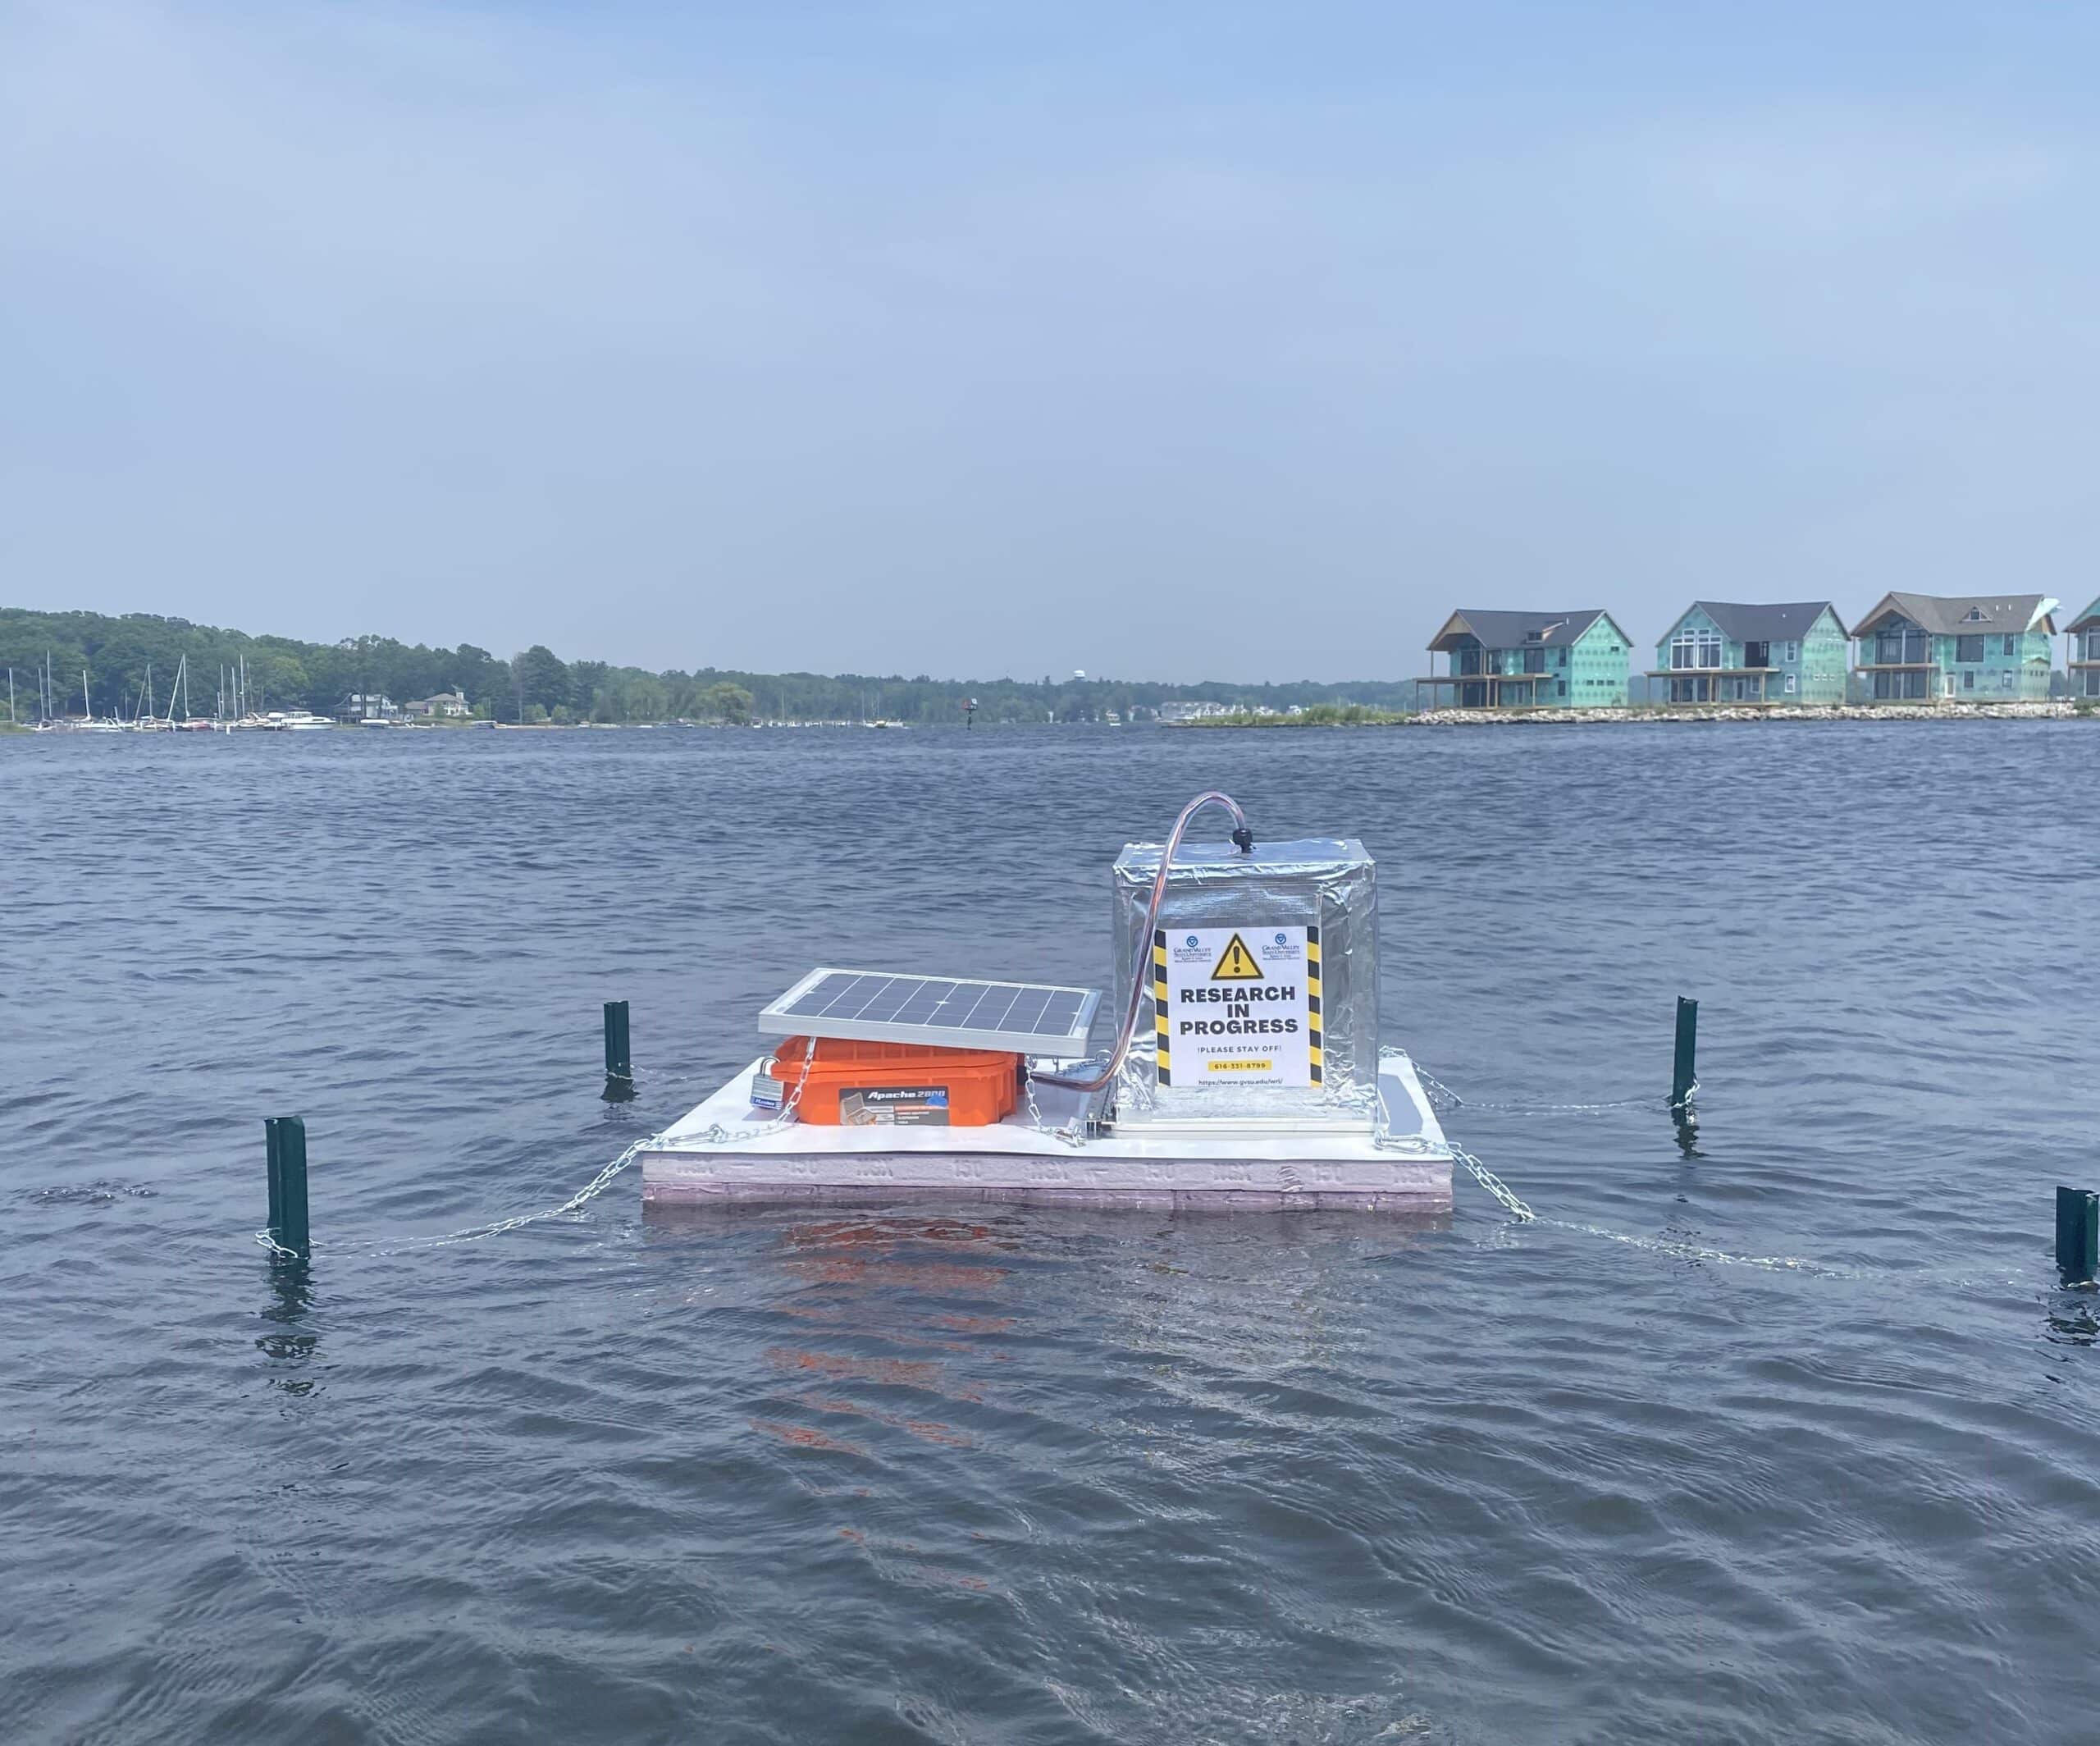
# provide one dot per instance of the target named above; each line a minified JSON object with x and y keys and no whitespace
{"x":535,"y":685}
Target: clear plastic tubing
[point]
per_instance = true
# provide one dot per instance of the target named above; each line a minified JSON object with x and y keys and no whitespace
{"x":1139,"y":981}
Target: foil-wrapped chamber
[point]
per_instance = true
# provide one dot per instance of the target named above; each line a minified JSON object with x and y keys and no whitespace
{"x":1261,"y":998}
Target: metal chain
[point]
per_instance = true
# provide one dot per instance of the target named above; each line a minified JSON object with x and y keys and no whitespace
{"x":582,"y":1197}
{"x":576,"y":1202}
{"x":1501,"y":1192}
{"x":793,"y":1100}
{"x":1495,"y":1186}
{"x":1452,"y":1100}
{"x":1069,"y":1134}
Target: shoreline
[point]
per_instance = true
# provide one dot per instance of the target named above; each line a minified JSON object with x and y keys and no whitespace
{"x":2054,"y":709}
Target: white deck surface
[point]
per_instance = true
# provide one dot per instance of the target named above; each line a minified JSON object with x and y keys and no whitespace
{"x":726,"y":1150}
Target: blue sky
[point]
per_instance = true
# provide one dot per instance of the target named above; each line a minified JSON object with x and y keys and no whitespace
{"x":1181,"y":340}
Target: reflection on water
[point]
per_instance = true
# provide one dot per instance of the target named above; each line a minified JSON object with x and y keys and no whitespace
{"x":2074,"y":1320}
{"x":290,"y":1345}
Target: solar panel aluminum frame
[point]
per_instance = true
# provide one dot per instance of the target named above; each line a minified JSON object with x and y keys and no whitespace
{"x":780,"y":1019}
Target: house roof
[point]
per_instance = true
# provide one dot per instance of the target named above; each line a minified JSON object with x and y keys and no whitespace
{"x":1950,"y":614}
{"x":2089,"y":620}
{"x":1786,"y":624}
{"x":1515,"y":630}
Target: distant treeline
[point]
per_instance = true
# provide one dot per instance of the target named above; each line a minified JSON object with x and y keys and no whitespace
{"x":536,"y":685}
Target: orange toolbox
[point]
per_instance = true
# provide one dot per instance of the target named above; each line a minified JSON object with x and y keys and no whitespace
{"x":852,"y":1083}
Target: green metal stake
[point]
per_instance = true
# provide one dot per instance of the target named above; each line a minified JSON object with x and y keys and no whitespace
{"x":272,"y":1163}
{"x":618,"y":1065}
{"x":2078,"y":1235}
{"x":284,"y":1139}
{"x":1685,"y":1074}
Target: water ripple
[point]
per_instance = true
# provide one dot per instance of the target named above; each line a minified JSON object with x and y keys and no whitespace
{"x":940,"y":1475}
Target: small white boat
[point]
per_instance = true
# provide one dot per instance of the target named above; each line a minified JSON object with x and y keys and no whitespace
{"x":293,"y":721}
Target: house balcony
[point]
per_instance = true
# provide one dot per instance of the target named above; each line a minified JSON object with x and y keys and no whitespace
{"x":1903,"y":681}
{"x":1734,"y":685}
{"x":1491,"y":690}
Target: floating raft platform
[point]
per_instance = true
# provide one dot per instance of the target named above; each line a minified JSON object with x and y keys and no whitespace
{"x":727,"y":1150}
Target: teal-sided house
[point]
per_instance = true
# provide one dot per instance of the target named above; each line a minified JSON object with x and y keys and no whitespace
{"x":1721,"y":651}
{"x":1529,"y":660}
{"x":1981,"y":648}
{"x":2085,"y":652}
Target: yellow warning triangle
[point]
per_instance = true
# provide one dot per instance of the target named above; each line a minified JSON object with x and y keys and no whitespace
{"x":1237,"y":963}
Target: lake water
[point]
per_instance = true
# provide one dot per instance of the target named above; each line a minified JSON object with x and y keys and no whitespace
{"x":1026,"y":1475}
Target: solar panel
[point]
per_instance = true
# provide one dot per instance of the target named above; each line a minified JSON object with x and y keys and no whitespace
{"x":873,"y":1006}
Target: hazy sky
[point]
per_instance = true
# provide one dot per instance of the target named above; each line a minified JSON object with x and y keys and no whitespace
{"x":1174,"y":340}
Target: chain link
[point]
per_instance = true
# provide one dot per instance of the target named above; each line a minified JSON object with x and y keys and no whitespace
{"x":793,"y":1100}
{"x":1069,"y":1134}
{"x":1506,"y":1198}
{"x":1437,"y":1089}
{"x":1495,"y":1186}
{"x":576,"y":1202}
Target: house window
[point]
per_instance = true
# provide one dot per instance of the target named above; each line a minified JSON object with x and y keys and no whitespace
{"x":1793,"y":685}
{"x":1534,"y":661}
{"x":1793,"y":653}
{"x":1757,"y":654}
{"x":1560,"y":687}
{"x":1695,"y":648}
{"x":1968,"y":648}
{"x":1968,"y":680}
{"x":1974,"y":615}
{"x":1900,"y":648}
{"x":2011,"y":645}
{"x":2006,"y":679}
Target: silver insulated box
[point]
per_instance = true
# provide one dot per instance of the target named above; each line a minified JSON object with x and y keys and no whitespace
{"x":1261,"y":1002}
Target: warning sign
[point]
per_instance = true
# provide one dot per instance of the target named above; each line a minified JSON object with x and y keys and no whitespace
{"x":1237,"y":1006}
